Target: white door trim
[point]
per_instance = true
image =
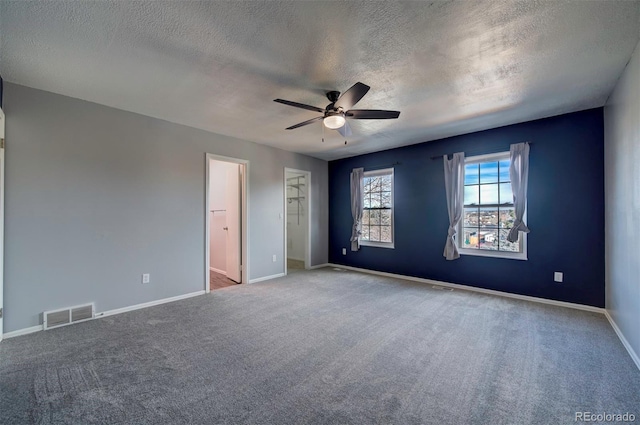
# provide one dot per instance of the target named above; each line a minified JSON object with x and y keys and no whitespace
{"x":244,"y":166}
{"x":2,"y":128}
{"x":307,"y":221}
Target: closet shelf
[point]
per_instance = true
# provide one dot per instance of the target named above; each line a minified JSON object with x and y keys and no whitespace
{"x":297,"y":187}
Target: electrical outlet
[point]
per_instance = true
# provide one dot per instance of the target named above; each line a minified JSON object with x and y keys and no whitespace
{"x":273,"y":258}
{"x":344,"y":251}
{"x":146,"y":278}
{"x":557,"y":277}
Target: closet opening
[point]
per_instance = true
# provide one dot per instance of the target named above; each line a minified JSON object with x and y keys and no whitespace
{"x":296,"y":229}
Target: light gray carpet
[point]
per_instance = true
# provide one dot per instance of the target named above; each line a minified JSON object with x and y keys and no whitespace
{"x":322,"y":347}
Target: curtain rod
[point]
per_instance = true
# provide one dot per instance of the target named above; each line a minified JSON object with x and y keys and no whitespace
{"x":473,"y":154}
{"x":383,"y":165}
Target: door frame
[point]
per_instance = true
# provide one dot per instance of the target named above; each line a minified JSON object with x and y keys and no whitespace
{"x":307,"y":221}
{"x":244,"y":216}
{"x":2,"y":165}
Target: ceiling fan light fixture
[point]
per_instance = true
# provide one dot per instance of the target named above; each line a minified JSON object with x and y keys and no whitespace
{"x":334,"y":121}
{"x":334,"y":116}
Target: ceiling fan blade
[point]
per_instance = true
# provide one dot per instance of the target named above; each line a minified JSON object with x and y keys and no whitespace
{"x":299,"y":105}
{"x":312,"y":120}
{"x":371,"y":114}
{"x":352,"y":96}
{"x":345,"y":130}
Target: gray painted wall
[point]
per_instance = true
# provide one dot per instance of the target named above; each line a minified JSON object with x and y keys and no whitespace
{"x":96,"y":196}
{"x":622,"y":202}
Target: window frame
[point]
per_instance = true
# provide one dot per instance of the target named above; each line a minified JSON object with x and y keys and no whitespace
{"x":522,"y":255}
{"x":374,"y":173}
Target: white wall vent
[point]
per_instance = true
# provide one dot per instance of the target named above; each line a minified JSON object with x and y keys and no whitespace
{"x":67,"y":316}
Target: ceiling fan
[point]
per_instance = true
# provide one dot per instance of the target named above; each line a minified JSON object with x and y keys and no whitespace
{"x":336,"y":113}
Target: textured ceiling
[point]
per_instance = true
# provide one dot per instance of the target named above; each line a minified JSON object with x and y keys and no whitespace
{"x":450,"y":67}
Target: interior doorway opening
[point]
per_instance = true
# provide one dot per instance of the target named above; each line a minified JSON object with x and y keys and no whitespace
{"x":297,"y":225}
{"x":226,"y":230}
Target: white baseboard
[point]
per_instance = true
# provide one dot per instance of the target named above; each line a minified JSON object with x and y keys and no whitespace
{"x":474,"y":289}
{"x":632,"y":353}
{"x":213,"y":269}
{"x":319,"y":266}
{"x":24,"y":331}
{"x":260,"y":279}
{"x":38,"y":328}
{"x":147,"y":304}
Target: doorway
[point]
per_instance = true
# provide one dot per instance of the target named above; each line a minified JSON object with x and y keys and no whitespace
{"x":226,"y":224}
{"x":296,"y":230}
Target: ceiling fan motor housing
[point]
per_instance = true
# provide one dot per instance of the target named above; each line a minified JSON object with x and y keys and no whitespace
{"x":333,"y":96}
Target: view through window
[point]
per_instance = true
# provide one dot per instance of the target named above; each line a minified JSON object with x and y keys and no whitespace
{"x":489,"y":213}
{"x":377,"y":215}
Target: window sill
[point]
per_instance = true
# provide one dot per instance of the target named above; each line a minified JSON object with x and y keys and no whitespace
{"x":494,"y":254}
{"x":389,"y":245}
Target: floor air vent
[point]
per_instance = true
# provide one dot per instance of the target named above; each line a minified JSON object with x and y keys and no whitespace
{"x":67,"y":316}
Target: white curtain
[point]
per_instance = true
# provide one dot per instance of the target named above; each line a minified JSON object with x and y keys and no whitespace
{"x":519,"y":174}
{"x":454,"y":185}
{"x":357,"y":187}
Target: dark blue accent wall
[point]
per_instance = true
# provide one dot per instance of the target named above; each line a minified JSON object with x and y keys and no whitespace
{"x":565,"y":211}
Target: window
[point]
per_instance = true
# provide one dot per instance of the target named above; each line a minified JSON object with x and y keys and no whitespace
{"x":489,"y":212}
{"x":377,"y":208}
